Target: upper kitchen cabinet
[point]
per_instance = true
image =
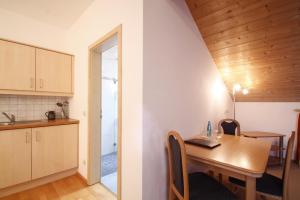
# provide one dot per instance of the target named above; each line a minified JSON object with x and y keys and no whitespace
{"x":29,"y":70}
{"x":53,"y":72}
{"x":17,"y":67}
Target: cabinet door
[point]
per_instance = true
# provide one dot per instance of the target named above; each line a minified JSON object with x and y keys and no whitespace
{"x":17,"y":67}
{"x":53,"y":72}
{"x":15,"y":157}
{"x":54,"y":149}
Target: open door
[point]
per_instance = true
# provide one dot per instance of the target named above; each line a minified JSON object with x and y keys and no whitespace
{"x":105,"y":111}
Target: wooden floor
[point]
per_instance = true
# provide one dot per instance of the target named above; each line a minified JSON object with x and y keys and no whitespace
{"x":70,"y":188}
{"x":73,"y":188}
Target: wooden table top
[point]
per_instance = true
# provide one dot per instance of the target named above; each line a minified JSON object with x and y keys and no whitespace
{"x":247,"y":156}
{"x":39,"y":123}
{"x":257,"y":134}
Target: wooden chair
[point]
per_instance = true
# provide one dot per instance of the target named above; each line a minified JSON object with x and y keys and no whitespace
{"x":195,"y":186}
{"x":230,"y":127}
{"x":272,"y":186}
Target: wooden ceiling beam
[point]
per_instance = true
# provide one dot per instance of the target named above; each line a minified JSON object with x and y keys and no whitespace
{"x":272,"y":20}
{"x":270,"y":7}
{"x":255,"y":43}
{"x":264,"y":44}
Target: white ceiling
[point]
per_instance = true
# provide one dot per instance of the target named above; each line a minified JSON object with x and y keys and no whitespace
{"x":60,"y":13}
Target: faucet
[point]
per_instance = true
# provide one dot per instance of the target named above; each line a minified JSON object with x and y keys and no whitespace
{"x":11,"y":118}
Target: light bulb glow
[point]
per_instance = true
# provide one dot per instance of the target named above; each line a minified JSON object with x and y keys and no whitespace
{"x":236,"y":87}
{"x":245,"y":91}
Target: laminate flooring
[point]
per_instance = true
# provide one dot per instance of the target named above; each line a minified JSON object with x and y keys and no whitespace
{"x":70,"y":188}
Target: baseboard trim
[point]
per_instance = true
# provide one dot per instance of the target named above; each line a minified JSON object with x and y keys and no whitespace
{"x":35,"y":183}
{"x":82,"y":178}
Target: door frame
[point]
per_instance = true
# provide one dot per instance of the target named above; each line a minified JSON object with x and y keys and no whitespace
{"x":94,"y":141}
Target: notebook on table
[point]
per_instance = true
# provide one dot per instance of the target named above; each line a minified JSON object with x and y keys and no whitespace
{"x":203,"y":143}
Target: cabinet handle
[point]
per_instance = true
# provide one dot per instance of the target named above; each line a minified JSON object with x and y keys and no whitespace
{"x":28,"y":138}
{"x":41,"y":83}
{"x":31,"y":82}
{"x":37,"y":136}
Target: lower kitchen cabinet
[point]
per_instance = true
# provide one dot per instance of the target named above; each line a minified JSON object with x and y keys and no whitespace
{"x":32,"y":153}
{"x":54,"y":149}
{"x":15,"y":157}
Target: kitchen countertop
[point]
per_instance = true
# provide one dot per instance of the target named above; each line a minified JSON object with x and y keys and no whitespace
{"x":39,"y":123}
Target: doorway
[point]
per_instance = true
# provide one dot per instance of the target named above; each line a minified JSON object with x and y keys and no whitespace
{"x":105,"y":111}
{"x":109,"y":114}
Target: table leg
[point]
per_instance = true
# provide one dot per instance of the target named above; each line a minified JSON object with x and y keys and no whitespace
{"x":171,"y":194}
{"x":281,"y":149}
{"x":250,"y":188}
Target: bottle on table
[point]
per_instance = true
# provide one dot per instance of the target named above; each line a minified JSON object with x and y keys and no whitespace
{"x":209,"y":129}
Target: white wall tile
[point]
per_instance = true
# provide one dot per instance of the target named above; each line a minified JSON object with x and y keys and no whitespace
{"x":28,"y":107}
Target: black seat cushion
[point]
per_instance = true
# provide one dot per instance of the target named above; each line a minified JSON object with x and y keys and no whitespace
{"x":204,"y":187}
{"x":267,"y":184}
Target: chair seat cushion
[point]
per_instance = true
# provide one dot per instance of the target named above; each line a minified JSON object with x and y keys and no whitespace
{"x":204,"y":187}
{"x":266,"y":184}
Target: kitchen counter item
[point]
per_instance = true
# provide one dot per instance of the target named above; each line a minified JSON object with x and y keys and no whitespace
{"x":38,"y":123}
{"x":64,"y":109}
{"x":50,"y":115}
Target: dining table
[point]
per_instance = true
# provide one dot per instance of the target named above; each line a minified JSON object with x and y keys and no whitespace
{"x":262,"y":134}
{"x":239,"y":157}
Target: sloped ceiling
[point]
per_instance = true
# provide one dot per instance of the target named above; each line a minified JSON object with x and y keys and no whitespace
{"x":255,"y":43}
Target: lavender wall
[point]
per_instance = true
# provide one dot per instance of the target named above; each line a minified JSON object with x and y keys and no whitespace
{"x":182,"y":87}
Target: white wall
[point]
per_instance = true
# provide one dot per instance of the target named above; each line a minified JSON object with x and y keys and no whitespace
{"x":27,"y":30}
{"x":179,"y":87}
{"x":268,"y":116}
{"x":100,"y":18}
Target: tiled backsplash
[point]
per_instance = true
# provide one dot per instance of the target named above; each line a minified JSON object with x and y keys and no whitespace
{"x":28,"y":107}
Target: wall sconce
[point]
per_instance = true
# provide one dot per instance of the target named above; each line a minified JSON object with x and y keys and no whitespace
{"x":235,"y":89}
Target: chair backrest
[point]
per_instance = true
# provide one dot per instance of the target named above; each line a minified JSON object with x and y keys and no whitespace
{"x":177,"y":166}
{"x":287,"y":165}
{"x":230,"y":127}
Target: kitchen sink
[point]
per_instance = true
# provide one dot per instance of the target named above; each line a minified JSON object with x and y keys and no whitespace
{"x":28,"y":121}
{"x":19,"y":122}
{"x":6,"y":123}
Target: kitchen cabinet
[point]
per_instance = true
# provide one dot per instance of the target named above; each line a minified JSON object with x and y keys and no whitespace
{"x":54,"y":149}
{"x":15,"y":157}
{"x":35,"y":152}
{"x":53,"y":71}
{"x":17,"y":67}
{"x":29,"y":70}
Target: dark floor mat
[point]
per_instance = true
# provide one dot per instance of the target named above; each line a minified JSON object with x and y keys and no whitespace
{"x":109,"y":164}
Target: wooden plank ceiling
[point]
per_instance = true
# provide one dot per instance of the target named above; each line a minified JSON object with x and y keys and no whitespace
{"x":255,"y":43}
